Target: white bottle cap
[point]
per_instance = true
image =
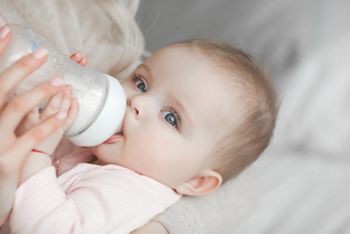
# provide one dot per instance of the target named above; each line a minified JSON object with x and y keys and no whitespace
{"x":109,"y":120}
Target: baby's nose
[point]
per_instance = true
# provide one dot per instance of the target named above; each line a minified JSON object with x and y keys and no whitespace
{"x":133,"y":107}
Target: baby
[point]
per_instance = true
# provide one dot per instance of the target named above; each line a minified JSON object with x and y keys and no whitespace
{"x":198,"y":113}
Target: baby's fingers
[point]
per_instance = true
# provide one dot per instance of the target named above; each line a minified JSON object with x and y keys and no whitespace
{"x":15,"y":110}
{"x":78,"y":58}
{"x":70,"y":106}
{"x":52,"y":106}
{"x":72,"y":114}
{"x":62,"y":102}
{"x":67,"y":99}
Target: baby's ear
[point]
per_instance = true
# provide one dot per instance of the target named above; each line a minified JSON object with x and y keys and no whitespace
{"x":202,"y":184}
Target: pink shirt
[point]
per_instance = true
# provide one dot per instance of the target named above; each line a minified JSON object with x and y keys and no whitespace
{"x":88,"y":199}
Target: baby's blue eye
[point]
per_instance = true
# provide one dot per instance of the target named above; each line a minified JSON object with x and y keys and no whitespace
{"x":140,"y":84}
{"x":171,"y":117}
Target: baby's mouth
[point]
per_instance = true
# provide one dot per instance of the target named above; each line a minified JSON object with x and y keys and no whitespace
{"x":114,"y":138}
{"x":117,"y":136}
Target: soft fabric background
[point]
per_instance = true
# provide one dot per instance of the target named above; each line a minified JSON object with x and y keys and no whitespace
{"x":305,"y":174}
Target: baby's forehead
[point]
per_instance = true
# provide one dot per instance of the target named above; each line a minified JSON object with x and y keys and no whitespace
{"x":182,"y":50}
{"x":204,"y":88}
{"x":213,"y":101}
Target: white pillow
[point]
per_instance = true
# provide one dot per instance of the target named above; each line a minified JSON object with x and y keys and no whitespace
{"x":315,"y":107}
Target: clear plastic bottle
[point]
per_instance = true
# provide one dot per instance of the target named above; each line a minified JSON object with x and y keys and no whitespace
{"x":101,"y":98}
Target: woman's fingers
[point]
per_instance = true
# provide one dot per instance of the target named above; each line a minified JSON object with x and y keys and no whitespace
{"x":31,"y":119}
{"x":28,"y":141}
{"x":13,"y":75}
{"x":18,"y":107}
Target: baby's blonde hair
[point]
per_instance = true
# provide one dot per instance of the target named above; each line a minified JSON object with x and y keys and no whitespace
{"x":247,"y":139}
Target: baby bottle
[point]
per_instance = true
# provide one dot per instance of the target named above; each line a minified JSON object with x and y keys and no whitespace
{"x":102,"y":101}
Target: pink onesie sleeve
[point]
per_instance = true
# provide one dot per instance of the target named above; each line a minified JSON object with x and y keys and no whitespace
{"x":88,"y":199}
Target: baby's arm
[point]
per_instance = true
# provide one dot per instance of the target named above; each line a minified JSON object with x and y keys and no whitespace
{"x":38,"y":161}
{"x":61,"y":103}
{"x":88,"y":199}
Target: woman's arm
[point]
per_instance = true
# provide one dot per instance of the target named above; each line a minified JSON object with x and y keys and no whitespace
{"x":14,"y":147}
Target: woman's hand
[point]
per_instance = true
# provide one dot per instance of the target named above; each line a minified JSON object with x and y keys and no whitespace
{"x":15,"y":148}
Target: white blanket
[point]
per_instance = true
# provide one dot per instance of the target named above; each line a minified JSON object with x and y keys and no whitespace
{"x":306,"y":173}
{"x":315,"y":112}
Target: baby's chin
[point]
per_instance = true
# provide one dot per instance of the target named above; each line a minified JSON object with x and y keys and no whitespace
{"x":98,"y":149}
{"x":105,"y":150}
{"x":113,"y":140}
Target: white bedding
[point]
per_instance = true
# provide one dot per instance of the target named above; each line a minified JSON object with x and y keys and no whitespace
{"x":315,"y":112}
{"x":301,"y":192}
{"x":305,"y":175}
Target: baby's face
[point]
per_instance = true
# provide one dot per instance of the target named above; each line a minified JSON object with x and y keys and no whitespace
{"x":177,"y":110}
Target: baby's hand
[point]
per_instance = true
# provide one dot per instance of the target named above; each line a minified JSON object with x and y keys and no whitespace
{"x":67,"y":108}
{"x":62,"y":103}
{"x":78,"y":58}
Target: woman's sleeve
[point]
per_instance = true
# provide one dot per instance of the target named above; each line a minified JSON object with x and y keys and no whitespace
{"x":219,"y":212}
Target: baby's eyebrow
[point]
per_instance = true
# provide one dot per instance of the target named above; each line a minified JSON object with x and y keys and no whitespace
{"x":147,"y":69}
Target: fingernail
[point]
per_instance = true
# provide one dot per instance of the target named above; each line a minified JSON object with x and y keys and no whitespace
{"x":61,"y":115}
{"x":57,"y":81}
{"x":4,"y":32}
{"x":40,"y":53}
